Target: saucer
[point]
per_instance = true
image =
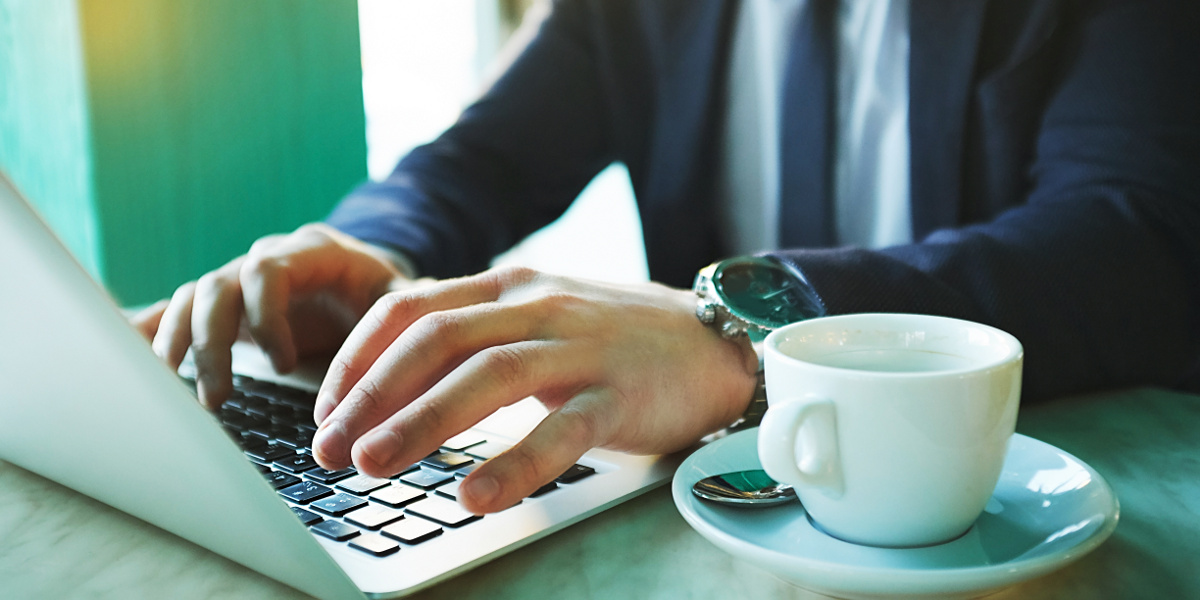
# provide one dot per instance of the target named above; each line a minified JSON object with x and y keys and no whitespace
{"x":1048,"y":510}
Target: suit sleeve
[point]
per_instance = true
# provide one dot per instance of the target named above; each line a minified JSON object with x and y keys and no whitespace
{"x":513,"y":162}
{"x":1098,"y":272}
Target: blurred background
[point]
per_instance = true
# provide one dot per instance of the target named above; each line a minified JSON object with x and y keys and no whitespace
{"x":159,"y":138}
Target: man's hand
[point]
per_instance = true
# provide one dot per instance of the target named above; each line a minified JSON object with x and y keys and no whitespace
{"x":296,"y":295}
{"x":622,"y":367}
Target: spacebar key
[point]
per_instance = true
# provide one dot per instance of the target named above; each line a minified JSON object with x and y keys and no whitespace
{"x":442,"y":511}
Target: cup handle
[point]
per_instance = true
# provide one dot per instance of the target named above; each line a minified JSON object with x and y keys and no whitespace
{"x":812,"y":460}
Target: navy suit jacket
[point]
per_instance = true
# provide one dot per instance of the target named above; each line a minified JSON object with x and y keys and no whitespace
{"x":1055,"y":170}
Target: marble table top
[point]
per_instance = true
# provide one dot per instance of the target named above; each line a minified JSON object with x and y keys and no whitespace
{"x":56,"y":543}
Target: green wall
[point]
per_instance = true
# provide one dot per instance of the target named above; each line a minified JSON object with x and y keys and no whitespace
{"x":200,"y":126}
{"x":43,"y":117}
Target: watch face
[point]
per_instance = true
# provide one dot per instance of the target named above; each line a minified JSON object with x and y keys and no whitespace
{"x":765,"y":292}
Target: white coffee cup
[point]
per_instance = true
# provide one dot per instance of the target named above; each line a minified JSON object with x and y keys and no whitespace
{"x":893,"y":428}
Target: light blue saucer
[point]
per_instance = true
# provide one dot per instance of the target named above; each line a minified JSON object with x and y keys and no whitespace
{"x":1048,"y":510}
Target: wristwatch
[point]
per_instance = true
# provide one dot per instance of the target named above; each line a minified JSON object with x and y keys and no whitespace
{"x":753,"y":296}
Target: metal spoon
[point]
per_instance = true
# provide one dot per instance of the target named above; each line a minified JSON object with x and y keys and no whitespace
{"x":746,"y":489}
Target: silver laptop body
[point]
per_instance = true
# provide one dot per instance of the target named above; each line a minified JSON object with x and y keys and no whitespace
{"x":87,"y":404}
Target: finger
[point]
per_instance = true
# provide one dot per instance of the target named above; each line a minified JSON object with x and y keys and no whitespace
{"x":491,"y":379}
{"x":314,"y":258}
{"x":266,"y":293}
{"x":146,"y":320}
{"x":422,"y":355}
{"x":175,"y":327}
{"x":549,"y":450}
{"x":216,"y":316}
{"x":383,"y":324}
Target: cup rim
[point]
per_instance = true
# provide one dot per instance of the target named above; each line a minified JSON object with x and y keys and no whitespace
{"x":1015,"y":351}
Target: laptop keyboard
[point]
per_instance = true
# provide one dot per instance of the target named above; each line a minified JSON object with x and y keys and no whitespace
{"x":273,"y":425}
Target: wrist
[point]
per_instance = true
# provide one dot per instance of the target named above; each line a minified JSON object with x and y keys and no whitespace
{"x":751,"y":373}
{"x":743,"y":300}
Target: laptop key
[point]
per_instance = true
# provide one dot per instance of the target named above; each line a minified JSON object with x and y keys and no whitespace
{"x":442,"y":511}
{"x":335,"y":530}
{"x":426,"y":479}
{"x":281,"y":412}
{"x":487,"y":450}
{"x":338,"y":504}
{"x":575,"y":473}
{"x":290,"y":396}
{"x":297,"y":463}
{"x":374,"y":516}
{"x":464,"y":440}
{"x":257,"y":406}
{"x":236,"y":400}
{"x":450,"y":490}
{"x":271,"y":430}
{"x":269,"y":453}
{"x":464,"y":471}
{"x":235,"y":420}
{"x":361,"y":485}
{"x":247,"y":441}
{"x":329,"y":477}
{"x":285,"y":415}
{"x":374,"y":544}
{"x":280,"y":480}
{"x":305,"y":492}
{"x":549,"y":487}
{"x":397,"y":495}
{"x":447,"y":461}
{"x":246,"y":383}
{"x":406,"y":470}
{"x":230,"y":410}
{"x":412,"y":530}
{"x":301,"y":438}
{"x":306,"y":517}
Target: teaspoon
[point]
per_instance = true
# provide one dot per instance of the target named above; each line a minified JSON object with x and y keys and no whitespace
{"x":747,"y":489}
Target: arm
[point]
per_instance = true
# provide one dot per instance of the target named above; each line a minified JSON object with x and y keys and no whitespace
{"x":513,"y":162}
{"x":1098,"y":272}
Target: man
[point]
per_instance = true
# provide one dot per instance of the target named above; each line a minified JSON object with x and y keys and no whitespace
{"x":1051,"y":184}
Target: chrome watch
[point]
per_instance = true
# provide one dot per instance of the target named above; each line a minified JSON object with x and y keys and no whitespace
{"x":753,"y":296}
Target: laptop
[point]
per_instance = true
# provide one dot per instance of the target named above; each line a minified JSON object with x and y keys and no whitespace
{"x":86,"y":403}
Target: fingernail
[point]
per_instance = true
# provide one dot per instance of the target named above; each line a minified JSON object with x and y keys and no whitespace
{"x":205,"y":392}
{"x":330,"y":442}
{"x":381,"y":446}
{"x":323,"y":408}
{"x":483,"y":489}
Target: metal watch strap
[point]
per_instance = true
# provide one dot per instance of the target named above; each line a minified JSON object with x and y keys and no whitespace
{"x":754,"y":412}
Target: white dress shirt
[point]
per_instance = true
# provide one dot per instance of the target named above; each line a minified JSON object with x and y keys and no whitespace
{"x":871,"y":169}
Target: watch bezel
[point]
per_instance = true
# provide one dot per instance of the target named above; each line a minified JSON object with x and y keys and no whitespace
{"x":764,"y":325}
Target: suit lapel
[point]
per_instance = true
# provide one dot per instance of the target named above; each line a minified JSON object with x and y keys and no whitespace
{"x":692,"y":69}
{"x":689,"y":65}
{"x":944,"y":43}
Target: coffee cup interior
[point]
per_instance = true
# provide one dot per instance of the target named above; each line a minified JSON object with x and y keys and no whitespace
{"x":897,"y":344}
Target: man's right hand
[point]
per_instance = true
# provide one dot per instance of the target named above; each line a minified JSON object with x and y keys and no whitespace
{"x":295,"y":295}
